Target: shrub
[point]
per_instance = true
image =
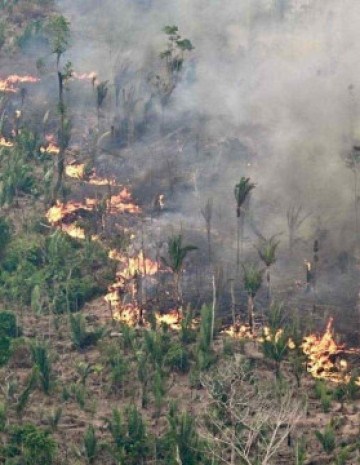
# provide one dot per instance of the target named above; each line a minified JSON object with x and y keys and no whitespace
{"x":27,"y":442}
{"x":8,"y":327}
{"x":327,"y":438}
{"x":177,"y":358}
{"x":41,"y":359}
{"x":82,"y":338}
{"x":5,"y":350}
{"x":91,"y":447}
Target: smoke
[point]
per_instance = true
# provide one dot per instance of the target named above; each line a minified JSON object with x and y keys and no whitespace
{"x":264,"y":94}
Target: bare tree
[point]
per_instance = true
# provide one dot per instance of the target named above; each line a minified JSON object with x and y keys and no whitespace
{"x":207,"y":213}
{"x":248,"y":420}
{"x":295,"y":218}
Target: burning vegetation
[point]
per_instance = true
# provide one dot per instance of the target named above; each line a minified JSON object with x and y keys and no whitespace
{"x":146,"y":257}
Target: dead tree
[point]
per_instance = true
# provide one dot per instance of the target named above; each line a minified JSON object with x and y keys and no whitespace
{"x":295,"y":218}
{"x":207,"y":213}
{"x":247,"y":421}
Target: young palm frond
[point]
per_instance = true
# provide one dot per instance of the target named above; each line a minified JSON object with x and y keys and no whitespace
{"x":253,"y":277}
{"x":242,"y":190}
{"x":177,"y":253}
{"x":267,"y":250}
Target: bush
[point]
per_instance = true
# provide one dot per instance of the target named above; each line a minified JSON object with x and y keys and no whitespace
{"x":82,"y":338}
{"x":41,"y":359}
{"x":2,"y":33}
{"x":8,"y":327}
{"x":177,"y":358}
{"x":327,"y":438}
{"x":27,"y":442}
{"x":5,"y":350}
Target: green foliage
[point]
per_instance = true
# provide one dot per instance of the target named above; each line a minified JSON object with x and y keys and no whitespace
{"x":324,"y":394}
{"x":205,"y":356}
{"x":253,"y":277}
{"x":327,"y":438}
{"x":187,"y":334}
{"x":275,"y":347}
{"x":241,"y":192}
{"x":33,"y":30}
{"x":27,"y":442}
{"x":54,"y":418}
{"x":178,"y":358}
{"x":5,"y":235}
{"x":24,"y":397}
{"x":177,"y":253}
{"x":342,"y":456}
{"x":79,"y":393}
{"x":182,"y":440}
{"x":80,"y":336}
{"x":91,"y":445}
{"x":41,"y":359}
{"x":119,"y":369}
{"x":8,"y":326}
{"x":130,"y":439}
{"x":5,"y":350}
{"x":267,"y":250}
{"x":3,"y":416}
{"x":58,"y":29}
{"x":300,"y":452}
{"x":2,"y":33}
{"x":54,"y":273}
{"x":159,"y":389}
{"x":16,"y":177}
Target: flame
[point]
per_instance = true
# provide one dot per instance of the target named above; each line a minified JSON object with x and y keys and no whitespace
{"x":84,"y":76}
{"x":51,"y":148}
{"x":5,"y":143}
{"x":73,"y":231}
{"x":97,"y":181}
{"x":321,"y":352}
{"x":122,"y":203}
{"x":8,"y":84}
{"x":171,"y":319}
{"x":76,"y":170}
{"x":307,"y":265}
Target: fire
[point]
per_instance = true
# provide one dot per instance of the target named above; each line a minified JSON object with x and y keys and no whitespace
{"x":73,"y":231}
{"x":171,"y":319}
{"x":60,"y":211}
{"x":76,"y":170}
{"x":307,"y":265}
{"x":84,"y":76}
{"x":5,"y":143}
{"x":8,"y":84}
{"x":51,"y":148}
{"x":97,"y":181}
{"x":138,"y":264}
{"x":122,"y":203}
{"x":321,"y":352}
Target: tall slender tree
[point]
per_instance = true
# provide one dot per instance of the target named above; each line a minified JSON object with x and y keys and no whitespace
{"x":253,"y":277}
{"x":59,"y":32}
{"x":242,"y":191}
{"x":177,"y":253}
{"x":267,"y":253}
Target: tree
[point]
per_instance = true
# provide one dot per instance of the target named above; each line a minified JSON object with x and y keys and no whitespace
{"x":247,"y":419}
{"x":242,"y":191}
{"x":295,"y":218}
{"x":207,"y":213}
{"x":59,"y":31}
{"x":267,"y":253}
{"x":352,"y":161}
{"x":253,"y":277}
{"x":177,"y":253}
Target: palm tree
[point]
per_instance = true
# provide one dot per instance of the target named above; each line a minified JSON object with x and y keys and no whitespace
{"x":59,"y":31}
{"x":177,"y":254}
{"x":267,"y":253}
{"x":253,"y":277}
{"x":242,"y":191}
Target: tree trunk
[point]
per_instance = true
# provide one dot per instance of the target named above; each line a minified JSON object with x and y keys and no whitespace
{"x":251,"y":312}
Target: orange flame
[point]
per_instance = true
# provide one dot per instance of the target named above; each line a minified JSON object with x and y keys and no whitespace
{"x":5,"y":143}
{"x":122,"y":203}
{"x":76,"y":170}
{"x":8,"y":84}
{"x":84,"y":76}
